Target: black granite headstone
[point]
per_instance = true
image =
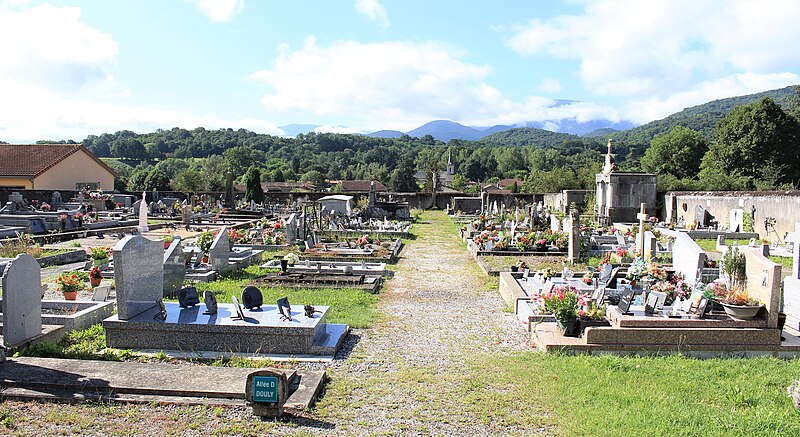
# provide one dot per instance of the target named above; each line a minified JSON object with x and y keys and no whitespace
{"x":625,"y":300}
{"x":188,"y":297}
{"x":210,"y":301}
{"x":252,"y":297}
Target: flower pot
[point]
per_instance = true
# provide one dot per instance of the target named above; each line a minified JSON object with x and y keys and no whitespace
{"x":781,"y":320}
{"x":70,"y":295}
{"x":588,"y":323}
{"x":741,"y":312}
{"x":95,"y":281}
{"x":514,"y":269}
{"x":569,"y":328}
{"x":166,"y":244}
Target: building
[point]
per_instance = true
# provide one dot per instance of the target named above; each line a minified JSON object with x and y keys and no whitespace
{"x":446,"y":176}
{"x":53,"y":167}
{"x":362,"y":186}
{"x":338,"y":204}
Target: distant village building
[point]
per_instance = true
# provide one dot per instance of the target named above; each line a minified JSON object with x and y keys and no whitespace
{"x":446,"y":176}
{"x":53,"y":167}
{"x":361,"y":186}
{"x":620,"y":194}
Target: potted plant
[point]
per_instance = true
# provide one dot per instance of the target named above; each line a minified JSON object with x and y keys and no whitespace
{"x":592,"y":316}
{"x":69,"y":283}
{"x":740,"y":305}
{"x":168,"y":239}
{"x":562,"y":302}
{"x":78,"y":219}
{"x":95,"y":276}
{"x":204,"y":242}
{"x":99,"y":255}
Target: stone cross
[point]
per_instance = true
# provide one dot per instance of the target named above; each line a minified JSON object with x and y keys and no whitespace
{"x":642,"y":216}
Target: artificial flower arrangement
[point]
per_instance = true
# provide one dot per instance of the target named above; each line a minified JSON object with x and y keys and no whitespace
{"x":675,"y":288}
{"x":291,"y":258}
{"x":362,"y":241}
{"x":592,"y":312}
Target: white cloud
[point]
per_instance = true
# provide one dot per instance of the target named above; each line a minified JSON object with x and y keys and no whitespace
{"x":337,"y":130}
{"x":680,"y":52}
{"x":550,"y":86}
{"x":373,"y":10}
{"x":402,"y":82}
{"x":219,"y":10}
{"x":54,"y":83}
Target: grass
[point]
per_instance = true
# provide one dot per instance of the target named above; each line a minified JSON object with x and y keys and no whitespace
{"x":350,"y":306}
{"x":610,"y":395}
{"x":785,"y":261}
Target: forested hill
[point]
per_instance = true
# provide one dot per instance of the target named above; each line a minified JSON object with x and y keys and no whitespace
{"x":701,"y":118}
{"x":528,"y":136}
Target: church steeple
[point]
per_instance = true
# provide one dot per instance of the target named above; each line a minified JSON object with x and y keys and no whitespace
{"x":451,"y":169}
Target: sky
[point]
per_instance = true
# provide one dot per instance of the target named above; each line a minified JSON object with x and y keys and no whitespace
{"x":72,"y":68}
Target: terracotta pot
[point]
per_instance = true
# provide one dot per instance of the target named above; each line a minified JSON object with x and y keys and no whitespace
{"x":70,"y":295}
{"x":95,"y":281}
{"x":166,"y":244}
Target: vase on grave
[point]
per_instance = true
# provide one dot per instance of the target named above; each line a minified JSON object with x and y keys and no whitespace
{"x":741,"y":312}
{"x":569,"y":328}
{"x":70,"y":295}
{"x":95,"y":282}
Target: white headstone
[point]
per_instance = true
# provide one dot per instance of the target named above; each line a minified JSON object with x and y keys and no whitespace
{"x":554,"y":225}
{"x":22,"y":300}
{"x":143,"y":215}
{"x":687,"y":257}
{"x":736,"y":220}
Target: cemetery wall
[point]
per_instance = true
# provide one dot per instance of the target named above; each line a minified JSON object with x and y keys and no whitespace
{"x":783,"y":206}
{"x":40,"y":195}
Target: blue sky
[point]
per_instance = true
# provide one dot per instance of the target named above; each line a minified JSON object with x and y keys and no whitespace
{"x":73,"y":68}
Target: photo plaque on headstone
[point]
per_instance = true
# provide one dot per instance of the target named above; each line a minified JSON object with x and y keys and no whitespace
{"x":625,"y":301}
{"x":285,"y":309}
{"x":238,"y":307}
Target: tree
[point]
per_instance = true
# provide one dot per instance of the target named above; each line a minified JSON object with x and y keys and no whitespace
{"x":253,"y":191}
{"x":188,"y":181}
{"x":315,"y":177}
{"x":753,"y":139}
{"x":402,"y":178}
{"x":136,"y":180}
{"x":677,"y":152}
{"x":157,"y":180}
{"x":128,"y":147}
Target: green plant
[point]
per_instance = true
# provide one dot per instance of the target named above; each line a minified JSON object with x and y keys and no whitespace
{"x":735,"y":265}
{"x":204,"y":241}
{"x":99,"y":253}
{"x":69,"y":282}
{"x":562,"y":302}
{"x":592,"y":312}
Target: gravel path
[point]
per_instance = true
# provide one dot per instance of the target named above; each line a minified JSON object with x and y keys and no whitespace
{"x":406,"y":375}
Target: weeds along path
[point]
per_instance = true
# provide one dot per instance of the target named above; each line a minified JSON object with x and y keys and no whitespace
{"x":410,"y":373}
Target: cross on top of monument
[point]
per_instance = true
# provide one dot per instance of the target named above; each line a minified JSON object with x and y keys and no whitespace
{"x":609,"y":164}
{"x":642,"y":216}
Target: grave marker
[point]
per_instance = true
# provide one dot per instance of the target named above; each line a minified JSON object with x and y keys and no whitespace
{"x":220,"y":251}
{"x":22,"y":300}
{"x":174,"y":267}
{"x":143,"y":215}
{"x":266,"y":391}
{"x":736,"y":220}
{"x":642,"y":216}
{"x":138,"y":274}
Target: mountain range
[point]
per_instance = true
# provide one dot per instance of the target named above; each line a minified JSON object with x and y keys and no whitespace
{"x":701,"y":118}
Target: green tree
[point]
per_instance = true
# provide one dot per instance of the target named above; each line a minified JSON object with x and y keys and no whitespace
{"x":253,"y":191}
{"x":752,"y":140}
{"x":188,"y":181}
{"x":402,"y":178}
{"x":136,"y":180}
{"x":128,"y":147}
{"x":157,"y":180}
{"x":315,"y":177}
{"x":677,"y":152}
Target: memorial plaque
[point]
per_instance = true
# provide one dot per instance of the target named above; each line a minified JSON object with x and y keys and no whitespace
{"x":285,"y":308}
{"x":239,"y":312}
{"x":188,"y":297}
{"x":252,"y":297}
{"x":266,"y":391}
{"x":625,"y":300}
{"x":211,"y":302}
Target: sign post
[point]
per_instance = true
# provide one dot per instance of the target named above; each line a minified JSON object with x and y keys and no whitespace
{"x":266,"y":392}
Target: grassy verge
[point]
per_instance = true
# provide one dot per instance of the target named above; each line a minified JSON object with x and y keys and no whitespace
{"x":785,"y":261}
{"x":610,"y":395}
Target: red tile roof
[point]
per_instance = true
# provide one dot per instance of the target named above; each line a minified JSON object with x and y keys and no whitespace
{"x":31,"y":160}
{"x":362,"y":185}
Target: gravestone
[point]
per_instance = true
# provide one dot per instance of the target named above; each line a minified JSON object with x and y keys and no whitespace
{"x":138,"y":274}
{"x":736,"y":220}
{"x":554,"y":225}
{"x":143,"y":215}
{"x":266,"y":391}
{"x":186,"y":214}
{"x":252,"y":298}
{"x":574,"y":247}
{"x":220,"y":251}
{"x":687,"y":257}
{"x":100,"y":294}
{"x":174,"y":267}
{"x":620,"y":239}
{"x":791,"y":293}
{"x":701,"y":216}
{"x":291,"y":229}
{"x":22,"y":300}
{"x":720,"y":243}
{"x":188,"y":297}
{"x":56,"y":199}
{"x":642,"y":216}
{"x":650,"y":245}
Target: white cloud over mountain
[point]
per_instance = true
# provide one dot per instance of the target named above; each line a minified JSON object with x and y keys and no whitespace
{"x":373,"y":10}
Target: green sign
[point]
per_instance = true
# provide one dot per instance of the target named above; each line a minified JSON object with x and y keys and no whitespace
{"x":265,"y":389}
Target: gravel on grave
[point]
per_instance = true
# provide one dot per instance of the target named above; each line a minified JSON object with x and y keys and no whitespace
{"x":437,"y":314}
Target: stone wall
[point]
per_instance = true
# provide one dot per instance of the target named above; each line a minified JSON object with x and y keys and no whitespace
{"x":784,"y":206}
